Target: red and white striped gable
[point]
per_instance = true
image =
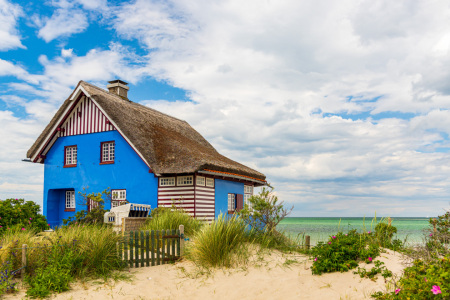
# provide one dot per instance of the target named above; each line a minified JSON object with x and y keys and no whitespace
{"x":85,"y":118}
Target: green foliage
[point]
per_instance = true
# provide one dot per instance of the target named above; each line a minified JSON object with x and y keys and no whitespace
{"x":342,"y":252}
{"x":372,"y":274}
{"x":265,"y":211}
{"x":54,"y":273}
{"x":171,"y":218}
{"x":383,"y":236}
{"x":418,"y":281}
{"x":17,"y":212}
{"x":6,"y":273}
{"x":221,"y":244}
{"x":96,"y":214}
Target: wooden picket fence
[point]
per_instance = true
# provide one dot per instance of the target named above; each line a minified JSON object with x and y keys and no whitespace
{"x":152,"y":248}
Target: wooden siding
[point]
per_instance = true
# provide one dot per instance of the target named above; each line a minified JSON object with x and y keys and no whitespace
{"x":85,"y":118}
{"x":198,"y":201}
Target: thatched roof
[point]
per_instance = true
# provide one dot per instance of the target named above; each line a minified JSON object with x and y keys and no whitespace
{"x":167,"y":144}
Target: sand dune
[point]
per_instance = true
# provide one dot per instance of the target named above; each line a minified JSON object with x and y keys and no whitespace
{"x":276,"y":276}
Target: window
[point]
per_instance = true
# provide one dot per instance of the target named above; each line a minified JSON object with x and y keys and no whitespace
{"x":231,"y":202}
{"x":119,"y":197}
{"x":107,"y":152}
{"x":167,"y":181}
{"x":185,"y":180}
{"x":210,"y":182}
{"x":248,"y":192}
{"x":70,"y":156}
{"x":70,"y":200}
{"x":201,"y":180}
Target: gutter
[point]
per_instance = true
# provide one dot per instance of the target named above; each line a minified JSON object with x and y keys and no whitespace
{"x":233,"y":176}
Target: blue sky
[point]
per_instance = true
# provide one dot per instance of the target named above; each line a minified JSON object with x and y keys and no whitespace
{"x":344,"y":106}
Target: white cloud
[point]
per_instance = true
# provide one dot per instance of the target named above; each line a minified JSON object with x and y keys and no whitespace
{"x":63,"y":22}
{"x":9,"y":36}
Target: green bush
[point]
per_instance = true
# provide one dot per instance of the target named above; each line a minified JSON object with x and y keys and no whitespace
{"x":384,"y":234}
{"x":342,"y":252}
{"x":221,"y":244}
{"x":420,"y":279}
{"x":171,"y":218}
{"x":17,"y":212}
{"x":372,"y":274}
{"x":96,"y":214}
{"x":54,"y":273}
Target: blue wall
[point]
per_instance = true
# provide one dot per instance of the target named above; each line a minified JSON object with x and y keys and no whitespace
{"x":223,"y":188}
{"x":128,"y":172}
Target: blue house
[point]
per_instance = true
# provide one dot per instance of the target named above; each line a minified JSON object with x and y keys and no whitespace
{"x":100,"y":139}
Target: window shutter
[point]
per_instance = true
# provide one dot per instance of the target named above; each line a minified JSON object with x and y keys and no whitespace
{"x":239,"y":202}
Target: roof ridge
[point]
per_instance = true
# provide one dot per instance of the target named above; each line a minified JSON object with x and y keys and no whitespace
{"x":132,"y":102}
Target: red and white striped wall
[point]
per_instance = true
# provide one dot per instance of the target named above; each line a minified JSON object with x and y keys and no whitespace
{"x":85,"y":118}
{"x":196,"y":200}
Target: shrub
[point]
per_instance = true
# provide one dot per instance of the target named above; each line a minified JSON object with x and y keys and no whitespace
{"x":420,"y":279}
{"x":96,"y":214}
{"x":171,"y":218}
{"x":17,"y":212}
{"x":264,"y":212}
{"x":384,"y":234}
{"x":342,"y":252}
{"x":220,"y":244}
{"x":54,"y":274}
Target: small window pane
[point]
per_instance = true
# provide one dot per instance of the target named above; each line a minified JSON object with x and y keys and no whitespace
{"x":201,"y":180}
{"x":185,"y":180}
{"x":210,"y":182}
{"x":71,"y":155}
{"x":167,"y":181}
{"x":108,"y":151}
{"x":231,"y":202}
{"x":70,"y":199}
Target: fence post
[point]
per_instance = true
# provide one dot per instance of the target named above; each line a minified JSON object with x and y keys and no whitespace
{"x":181,"y":240}
{"x":434,"y":225}
{"x":307,"y":241}
{"x":24,"y":261}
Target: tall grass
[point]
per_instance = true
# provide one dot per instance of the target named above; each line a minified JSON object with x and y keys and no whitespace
{"x":172,"y":218}
{"x":220,"y":244}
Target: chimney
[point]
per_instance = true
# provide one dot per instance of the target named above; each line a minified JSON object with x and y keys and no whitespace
{"x":119,"y":88}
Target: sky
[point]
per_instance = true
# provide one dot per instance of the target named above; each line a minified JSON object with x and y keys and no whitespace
{"x":343,"y":105}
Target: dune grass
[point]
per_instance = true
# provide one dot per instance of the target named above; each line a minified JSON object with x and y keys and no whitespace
{"x":172,"y":218}
{"x":220,"y":244}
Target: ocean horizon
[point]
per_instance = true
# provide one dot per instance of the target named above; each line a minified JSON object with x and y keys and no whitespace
{"x":411,"y":230}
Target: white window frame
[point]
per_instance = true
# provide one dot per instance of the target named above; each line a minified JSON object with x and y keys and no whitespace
{"x":231,"y":202}
{"x":118,"y":197}
{"x":167,"y":181}
{"x":248,"y":192}
{"x":210,"y":182}
{"x":70,"y":199}
{"x":108,"y":151}
{"x":200,"y":180}
{"x":70,"y":155}
{"x":185,"y":180}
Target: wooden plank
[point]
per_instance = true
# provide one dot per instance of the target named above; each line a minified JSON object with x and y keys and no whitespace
{"x":171,"y":236}
{"x":136,"y":245}
{"x":125,"y":250}
{"x":142,"y":249}
{"x":153,"y":247}
{"x":181,"y":240}
{"x":147,"y":249}
{"x":163,"y":248}
{"x":173,"y":243}
{"x":131,"y":248}
{"x":158,"y":253}
{"x":178,"y":242}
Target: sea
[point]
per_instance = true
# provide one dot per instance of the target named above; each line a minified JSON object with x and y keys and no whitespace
{"x":410,"y":230}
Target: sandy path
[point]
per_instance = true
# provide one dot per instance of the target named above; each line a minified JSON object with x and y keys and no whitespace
{"x":270,"y":279}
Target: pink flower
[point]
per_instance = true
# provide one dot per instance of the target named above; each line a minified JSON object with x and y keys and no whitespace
{"x":333,"y":236}
{"x":436,"y":289}
{"x":1,"y":226}
{"x":23,"y":228}
{"x":431,"y":234}
{"x":31,"y":219}
{"x":346,"y":234}
{"x":315,"y":259}
{"x":329,"y":243}
{"x":425,"y":279}
{"x":369,"y":259}
{"x":369,"y":232}
{"x":397,"y":291}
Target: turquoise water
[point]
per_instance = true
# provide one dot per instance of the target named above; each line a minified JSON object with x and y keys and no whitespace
{"x":408,"y":228}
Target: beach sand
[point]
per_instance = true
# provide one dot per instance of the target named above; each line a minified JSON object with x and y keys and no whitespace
{"x":275,"y":276}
